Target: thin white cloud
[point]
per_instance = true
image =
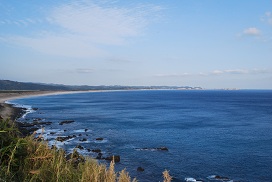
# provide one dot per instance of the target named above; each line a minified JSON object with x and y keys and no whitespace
{"x":81,"y":28}
{"x":241,"y":71}
{"x":234,"y":71}
{"x":252,"y":31}
{"x":64,"y":45}
{"x":268,"y":17}
{"x":106,"y":25}
{"x":20,"y":22}
{"x":220,"y":72}
{"x":173,"y":75}
{"x":84,"y":70}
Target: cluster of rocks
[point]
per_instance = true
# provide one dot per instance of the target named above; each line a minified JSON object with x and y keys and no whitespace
{"x":100,"y":156}
{"x":75,"y":157}
{"x":62,"y":139}
{"x":153,"y":149}
{"x":217,"y":177}
{"x":27,"y":128}
{"x":35,"y":122}
{"x":66,"y":122}
{"x":213,"y":178}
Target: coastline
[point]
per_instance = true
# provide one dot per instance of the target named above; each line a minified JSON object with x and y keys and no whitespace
{"x":8,"y":111}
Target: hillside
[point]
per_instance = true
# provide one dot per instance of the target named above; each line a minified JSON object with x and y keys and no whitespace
{"x":14,"y":85}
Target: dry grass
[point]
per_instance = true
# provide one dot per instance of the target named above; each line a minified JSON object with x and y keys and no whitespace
{"x":166,"y":176}
{"x":27,"y":159}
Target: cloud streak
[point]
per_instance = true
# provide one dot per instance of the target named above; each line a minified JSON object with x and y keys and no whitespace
{"x":267,"y":17}
{"x":252,"y":31}
{"x":220,"y":72}
{"x":84,"y":70}
{"x":81,"y":28}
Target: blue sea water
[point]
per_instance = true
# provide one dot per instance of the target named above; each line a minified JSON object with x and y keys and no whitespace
{"x":225,"y":133}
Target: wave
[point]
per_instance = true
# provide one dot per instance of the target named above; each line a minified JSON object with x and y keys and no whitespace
{"x":28,"y":108}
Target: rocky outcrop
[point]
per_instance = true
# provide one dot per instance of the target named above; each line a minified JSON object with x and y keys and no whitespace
{"x":140,"y":169}
{"x":34,"y":123}
{"x":99,"y":156}
{"x":79,"y":147}
{"x":153,"y":149}
{"x":66,"y":122}
{"x":83,"y":139}
{"x":96,"y":150}
{"x":217,"y":177}
{"x":162,"y":148}
{"x":75,"y":158}
{"x":62,"y":139}
{"x":115,"y":158}
{"x":99,"y":139}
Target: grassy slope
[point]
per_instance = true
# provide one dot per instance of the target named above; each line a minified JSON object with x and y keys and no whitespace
{"x":29,"y":159}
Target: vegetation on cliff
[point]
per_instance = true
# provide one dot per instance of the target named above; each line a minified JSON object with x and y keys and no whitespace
{"x":29,"y":159}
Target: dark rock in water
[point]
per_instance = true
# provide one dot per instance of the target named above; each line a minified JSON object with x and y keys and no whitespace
{"x":79,"y":147}
{"x":62,"y":139}
{"x":45,"y":122}
{"x":39,"y":139}
{"x":52,"y":133}
{"x":83,"y":139}
{"x":34,"y":123}
{"x":96,"y":150}
{"x":53,"y":147}
{"x":25,"y":124}
{"x":99,"y":156}
{"x":80,"y":134}
{"x":75,"y":158}
{"x":163,"y":148}
{"x":221,"y":178}
{"x":115,"y":158}
{"x":31,"y":130}
{"x":140,"y":169}
{"x":35,"y":108}
{"x":153,"y":149}
{"x":86,"y":130}
{"x":66,"y":122}
{"x":87,"y":135}
{"x":64,"y":130}
{"x":100,"y":138}
{"x":89,"y":150}
{"x":217,"y":177}
{"x":37,"y":119}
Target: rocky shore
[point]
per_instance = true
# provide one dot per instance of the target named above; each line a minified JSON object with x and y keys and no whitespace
{"x":8,"y":111}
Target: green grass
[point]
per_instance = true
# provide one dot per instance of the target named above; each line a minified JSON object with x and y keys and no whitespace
{"x":28,"y":159}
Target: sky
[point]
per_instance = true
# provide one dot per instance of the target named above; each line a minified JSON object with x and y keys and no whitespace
{"x":205,"y":43}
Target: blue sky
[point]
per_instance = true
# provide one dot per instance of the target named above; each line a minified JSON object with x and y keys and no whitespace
{"x":211,"y":43}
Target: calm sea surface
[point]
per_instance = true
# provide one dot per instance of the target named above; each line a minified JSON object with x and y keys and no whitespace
{"x":225,"y":133}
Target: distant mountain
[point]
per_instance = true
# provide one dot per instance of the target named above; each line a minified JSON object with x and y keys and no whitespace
{"x":14,"y":85}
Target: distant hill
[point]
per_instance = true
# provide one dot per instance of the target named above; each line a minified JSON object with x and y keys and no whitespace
{"x":14,"y":85}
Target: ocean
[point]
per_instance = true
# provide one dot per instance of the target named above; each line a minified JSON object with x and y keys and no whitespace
{"x":195,"y":134}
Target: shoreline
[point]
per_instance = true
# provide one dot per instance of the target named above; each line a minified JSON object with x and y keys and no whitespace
{"x":8,"y":111}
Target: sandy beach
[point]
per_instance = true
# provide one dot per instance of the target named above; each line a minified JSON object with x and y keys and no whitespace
{"x":7,"y":111}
